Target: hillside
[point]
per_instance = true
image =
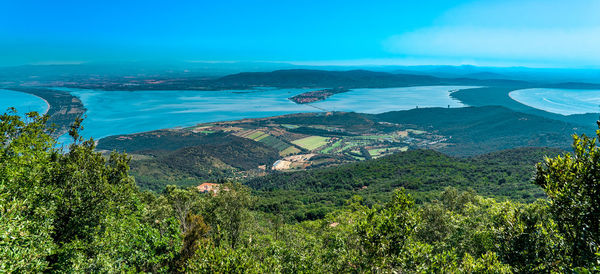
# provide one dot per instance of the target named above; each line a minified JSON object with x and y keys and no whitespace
{"x":503,"y":175}
{"x":79,"y":211}
{"x":254,"y":147}
{"x":477,"y":130}
{"x":295,"y":78}
{"x":158,"y":140}
{"x":287,"y":78}
{"x":160,"y":161}
{"x":251,"y":147}
{"x":320,"y":78}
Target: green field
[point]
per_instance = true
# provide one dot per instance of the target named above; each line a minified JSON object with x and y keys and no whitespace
{"x":289,"y":151}
{"x":255,"y":135}
{"x":269,"y":140}
{"x":358,"y":158}
{"x":273,"y":142}
{"x":288,"y":126}
{"x":348,"y":145}
{"x":259,"y":138}
{"x":333,"y":146}
{"x":376,"y":152}
{"x":311,"y":142}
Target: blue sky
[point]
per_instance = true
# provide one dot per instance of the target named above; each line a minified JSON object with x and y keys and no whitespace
{"x":534,"y":33}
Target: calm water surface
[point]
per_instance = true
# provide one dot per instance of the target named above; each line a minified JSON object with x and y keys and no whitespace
{"x":561,"y":101}
{"x":378,"y":100}
{"x":23,"y":102}
{"x":122,"y":112}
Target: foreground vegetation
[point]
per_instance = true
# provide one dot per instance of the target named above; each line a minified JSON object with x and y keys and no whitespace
{"x":311,"y":194}
{"x":77,"y":211}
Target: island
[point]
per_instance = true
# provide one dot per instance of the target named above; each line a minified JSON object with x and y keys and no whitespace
{"x":316,"y":95}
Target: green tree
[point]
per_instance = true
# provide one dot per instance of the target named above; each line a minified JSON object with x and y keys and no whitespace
{"x":72,"y":210}
{"x":26,"y":201}
{"x":526,"y":237}
{"x":228,"y":213}
{"x":183,"y":203}
{"x":572,"y":183}
{"x":384,"y":231}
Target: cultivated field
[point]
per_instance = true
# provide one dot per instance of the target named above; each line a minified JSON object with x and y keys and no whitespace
{"x":312,"y":142}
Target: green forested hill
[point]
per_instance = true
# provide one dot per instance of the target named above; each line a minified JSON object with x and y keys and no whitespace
{"x":186,"y":158}
{"x":162,"y":140}
{"x":321,"y":78}
{"x":312,"y":193}
{"x":478,"y":130}
{"x":189,"y":157}
{"x":214,"y":157}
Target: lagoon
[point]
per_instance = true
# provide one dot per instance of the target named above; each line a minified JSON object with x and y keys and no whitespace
{"x":23,"y":102}
{"x":379,"y":100}
{"x":123,"y":112}
{"x":560,"y":101}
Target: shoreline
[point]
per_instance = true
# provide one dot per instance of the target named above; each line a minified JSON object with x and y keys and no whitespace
{"x":61,"y":107}
{"x":552,"y":107}
{"x":45,"y":101}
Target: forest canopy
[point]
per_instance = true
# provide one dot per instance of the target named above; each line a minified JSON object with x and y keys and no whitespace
{"x":76,"y":210}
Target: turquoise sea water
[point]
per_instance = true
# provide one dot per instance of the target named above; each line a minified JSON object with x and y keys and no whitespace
{"x":122,"y":112}
{"x":23,"y":102}
{"x":561,"y":101}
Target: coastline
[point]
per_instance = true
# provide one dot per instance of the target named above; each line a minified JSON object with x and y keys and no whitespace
{"x":39,"y":97}
{"x":45,"y":101}
{"x":62,"y":107}
{"x":553,"y":104}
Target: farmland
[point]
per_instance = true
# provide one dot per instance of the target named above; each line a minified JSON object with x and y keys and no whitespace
{"x":331,"y":138}
{"x":289,"y":150}
{"x":283,"y":142}
{"x":312,"y":142}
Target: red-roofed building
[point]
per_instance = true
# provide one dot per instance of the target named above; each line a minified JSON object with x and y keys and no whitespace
{"x":208,"y":187}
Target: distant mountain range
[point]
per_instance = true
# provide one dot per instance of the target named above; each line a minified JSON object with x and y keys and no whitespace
{"x":347,"y":79}
{"x":543,"y":75}
{"x":64,"y":72}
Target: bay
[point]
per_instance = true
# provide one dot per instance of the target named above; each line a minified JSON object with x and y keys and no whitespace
{"x":22,"y":102}
{"x":560,"y":101}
